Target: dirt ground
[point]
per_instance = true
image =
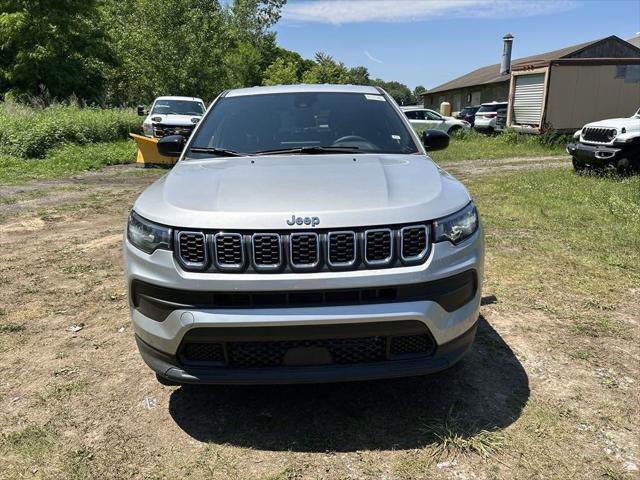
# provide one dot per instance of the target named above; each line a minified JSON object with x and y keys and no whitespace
{"x":77,"y":401}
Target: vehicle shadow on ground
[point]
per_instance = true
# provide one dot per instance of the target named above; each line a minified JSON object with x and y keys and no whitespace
{"x":486,"y":391}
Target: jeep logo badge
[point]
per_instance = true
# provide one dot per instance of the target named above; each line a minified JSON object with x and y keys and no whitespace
{"x":313,"y":221}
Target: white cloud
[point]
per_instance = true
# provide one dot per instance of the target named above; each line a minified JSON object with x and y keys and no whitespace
{"x":371,"y":57}
{"x":356,"y":11}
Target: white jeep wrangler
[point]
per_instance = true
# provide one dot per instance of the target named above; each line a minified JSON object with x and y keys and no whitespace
{"x":613,"y":142}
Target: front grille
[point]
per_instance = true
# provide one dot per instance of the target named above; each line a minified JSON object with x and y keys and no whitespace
{"x":342,"y":248}
{"x":327,"y":344}
{"x":229,"y":251}
{"x":160,"y":131}
{"x":414,"y":242}
{"x":378,"y":246}
{"x":599,"y":135}
{"x":304,"y":250}
{"x":267,"y":251}
{"x":192,"y":249}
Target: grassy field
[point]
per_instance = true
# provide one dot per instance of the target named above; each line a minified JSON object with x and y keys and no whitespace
{"x":549,"y":390}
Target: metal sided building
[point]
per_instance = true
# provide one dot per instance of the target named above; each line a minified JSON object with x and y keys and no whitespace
{"x":561,"y":89}
{"x":600,"y":80}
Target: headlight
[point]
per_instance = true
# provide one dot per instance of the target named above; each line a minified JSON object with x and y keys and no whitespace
{"x":458,"y":226}
{"x":577,"y":135}
{"x":146,"y":235}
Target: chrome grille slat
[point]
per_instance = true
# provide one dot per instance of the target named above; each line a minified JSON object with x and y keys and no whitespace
{"x":267,"y":251}
{"x":192,"y":249}
{"x":304,"y":250}
{"x":414,"y":243}
{"x":341,"y":248}
{"x":229,"y":251}
{"x":378,"y":246}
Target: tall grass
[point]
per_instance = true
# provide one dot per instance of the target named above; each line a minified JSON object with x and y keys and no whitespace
{"x":471,"y":145}
{"x":66,"y":160}
{"x":30,"y":132}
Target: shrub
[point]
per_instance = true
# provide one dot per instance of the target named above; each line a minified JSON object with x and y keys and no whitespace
{"x":29,"y":132}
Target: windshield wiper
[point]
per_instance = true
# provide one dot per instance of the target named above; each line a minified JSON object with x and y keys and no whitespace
{"x":222,"y":152}
{"x":309,"y":150}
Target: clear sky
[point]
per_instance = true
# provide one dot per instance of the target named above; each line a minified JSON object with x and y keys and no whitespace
{"x":428,"y":42}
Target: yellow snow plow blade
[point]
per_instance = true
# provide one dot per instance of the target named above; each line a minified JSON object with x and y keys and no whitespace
{"x":148,"y":152}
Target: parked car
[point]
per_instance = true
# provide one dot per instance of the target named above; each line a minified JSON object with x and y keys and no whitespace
{"x":304,"y":235}
{"x":501,"y":119}
{"x":172,"y":116}
{"x":486,"y":116}
{"x":468,"y":114}
{"x":433,"y":120}
{"x":614,"y":142}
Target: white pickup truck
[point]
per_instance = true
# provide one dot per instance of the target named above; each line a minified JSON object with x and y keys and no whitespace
{"x":612,"y":142}
{"x":172,"y":116}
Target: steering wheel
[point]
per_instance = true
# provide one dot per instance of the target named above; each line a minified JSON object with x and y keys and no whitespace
{"x":355,"y":141}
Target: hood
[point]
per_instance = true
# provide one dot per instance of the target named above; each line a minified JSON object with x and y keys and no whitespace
{"x":630,"y":123}
{"x":175,"y":120}
{"x":264,"y":192}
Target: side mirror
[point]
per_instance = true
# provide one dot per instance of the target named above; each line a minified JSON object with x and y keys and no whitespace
{"x":434,"y":140}
{"x":171,"y":145}
{"x":141,"y":112}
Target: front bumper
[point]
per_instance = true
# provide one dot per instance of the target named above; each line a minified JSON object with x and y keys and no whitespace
{"x":445,"y":356}
{"x":601,"y":154}
{"x":160,"y":336}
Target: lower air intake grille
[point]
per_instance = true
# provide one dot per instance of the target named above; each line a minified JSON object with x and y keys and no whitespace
{"x":202,"y":352}
{"x":335,"y":351}
{"x":411,"y":344}
{"x":379,"y":246}
{"x":414,"y":242}
{"x":192,"y":249}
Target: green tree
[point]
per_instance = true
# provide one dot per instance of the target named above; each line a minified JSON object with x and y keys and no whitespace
{"x":281,"y":72}
{"x":417,"y":92}
{"x":399,"y":91}
{"x":359,"y":76}
{"x":57,"y":45}
{"x":189,"y":47}
{"x":166,"y":47}
{"x":326,"y":70}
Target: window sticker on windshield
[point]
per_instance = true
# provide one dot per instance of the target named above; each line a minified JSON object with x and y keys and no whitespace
{"x":379,"y":98}
{"x":396,"y":137}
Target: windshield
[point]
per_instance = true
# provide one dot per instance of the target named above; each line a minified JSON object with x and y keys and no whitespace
{"x":252,"y":124}
{"x":177,"y":107}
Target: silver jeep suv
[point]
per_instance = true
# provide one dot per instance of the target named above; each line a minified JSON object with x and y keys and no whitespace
{"x":304,"y":235}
